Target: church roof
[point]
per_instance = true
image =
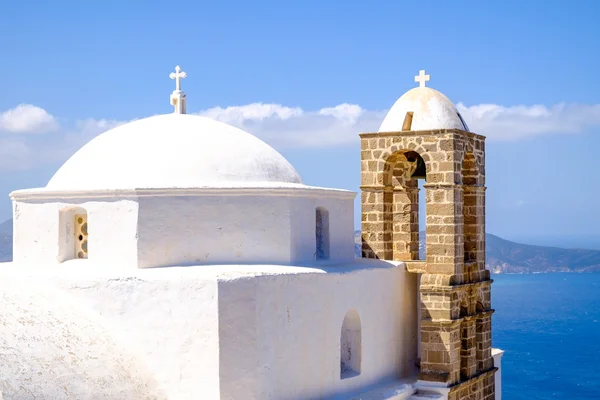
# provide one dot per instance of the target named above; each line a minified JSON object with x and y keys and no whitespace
{"x":174,"y":151}
{"x":430,"y":110}
{"x":54,"y":349}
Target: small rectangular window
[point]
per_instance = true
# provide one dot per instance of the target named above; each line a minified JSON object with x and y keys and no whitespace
{"x":322,"y":233}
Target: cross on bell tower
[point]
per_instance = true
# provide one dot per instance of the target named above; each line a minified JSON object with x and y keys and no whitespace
{"x":178,"y":97}
{"x":422,"y":78}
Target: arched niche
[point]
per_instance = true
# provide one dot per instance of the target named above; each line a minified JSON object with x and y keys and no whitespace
{"x":350,"y":345}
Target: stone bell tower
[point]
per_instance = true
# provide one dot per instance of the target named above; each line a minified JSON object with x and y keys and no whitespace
{"x":425,"y":137}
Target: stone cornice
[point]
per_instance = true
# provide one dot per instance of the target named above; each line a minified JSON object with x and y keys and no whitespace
{"x":379,"y":188}
{"x":416,"y":266}
{"x":454,"y":288}
{"x":305,"y":191}
{"x":473,"y":379}
{"x":453,"y":322}
{"x":372,"y":135}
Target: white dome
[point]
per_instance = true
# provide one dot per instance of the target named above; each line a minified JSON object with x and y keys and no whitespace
{"x":174,"y":151}
{"x":51,"y":349}
{"x":430,"y":108}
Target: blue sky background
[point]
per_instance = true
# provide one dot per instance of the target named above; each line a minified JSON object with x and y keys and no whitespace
{"x":110,"y":60}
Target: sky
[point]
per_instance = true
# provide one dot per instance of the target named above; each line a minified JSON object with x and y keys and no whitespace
{"x":308,"y":76}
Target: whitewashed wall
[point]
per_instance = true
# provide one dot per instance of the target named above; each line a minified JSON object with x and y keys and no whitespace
{"x":250,"y":332}
{"x":184,"y":226}
{"x":168,"y":316}
{"x":40,"y":235}
{"x":497,"y":354}
{"x":216,"y":229}
{"x":253,"y":228}
{"x":280,"y":335}
{"x":55,"y":348}
{"x":341,"y":228}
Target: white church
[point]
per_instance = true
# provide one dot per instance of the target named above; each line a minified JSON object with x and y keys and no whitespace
{"x":177,"y":257}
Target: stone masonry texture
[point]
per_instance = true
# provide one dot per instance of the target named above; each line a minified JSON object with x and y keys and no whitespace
{"x":456,"y":340}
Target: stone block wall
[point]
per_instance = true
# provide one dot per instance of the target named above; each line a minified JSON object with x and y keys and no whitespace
{"x":455,"y":286}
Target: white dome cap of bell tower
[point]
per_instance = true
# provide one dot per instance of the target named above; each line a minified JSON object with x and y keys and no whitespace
{"x":421,"y":109}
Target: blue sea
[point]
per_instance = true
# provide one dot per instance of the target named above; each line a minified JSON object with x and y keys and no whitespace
{"x":549,"y":327}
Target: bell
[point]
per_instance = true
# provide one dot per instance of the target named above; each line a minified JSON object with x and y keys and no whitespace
{"x":421,"y":170}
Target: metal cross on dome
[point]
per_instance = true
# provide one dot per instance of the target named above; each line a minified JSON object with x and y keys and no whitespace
{"x":422,"y":78}
{"x":177,"y":75}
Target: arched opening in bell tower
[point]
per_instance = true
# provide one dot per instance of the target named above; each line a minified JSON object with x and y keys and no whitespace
{"x":472,"y":223}
{"x":404,"y":173}
{"x":469,"y":179}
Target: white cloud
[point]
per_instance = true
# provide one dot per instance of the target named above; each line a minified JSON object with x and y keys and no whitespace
{"x":345,"y":112}
{"x":26,"y":118}
{"x":18,"y":152}
{"x":340,"y":125}
{"x":254,"y":111}
{"x":509,"y":123}
{"x":283,"y":126}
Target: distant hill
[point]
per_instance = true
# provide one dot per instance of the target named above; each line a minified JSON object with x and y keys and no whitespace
{"x":503,"y":256}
